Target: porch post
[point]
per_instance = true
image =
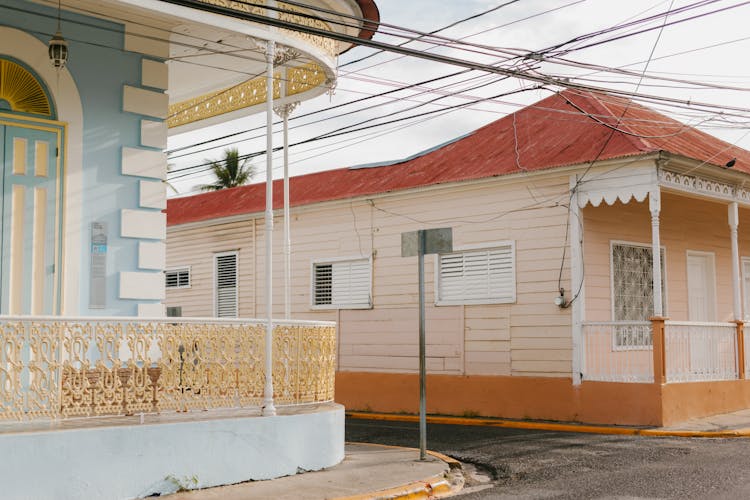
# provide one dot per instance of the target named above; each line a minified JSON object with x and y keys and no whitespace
{"x":268,"y":407}
{"x":733,"y":225}
{"x":657,"y":335}
{"x":576,"y":278}
{"x":654,"y":202}
{"x":740,"y":349}
{"x":284,"y":112}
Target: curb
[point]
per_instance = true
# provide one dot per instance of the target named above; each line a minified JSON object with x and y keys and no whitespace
{"x":435,"y":486}
{"x":544,"y":426}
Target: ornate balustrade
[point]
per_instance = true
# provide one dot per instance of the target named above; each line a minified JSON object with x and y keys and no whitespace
{"x":64,"y":367}
{"x":700,"y":351}
{"x":619,"y":351}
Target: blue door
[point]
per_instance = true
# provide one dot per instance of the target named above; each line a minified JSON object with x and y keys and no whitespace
{"x":30,"y":229}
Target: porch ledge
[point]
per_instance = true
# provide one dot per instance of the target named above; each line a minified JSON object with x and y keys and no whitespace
{"x":122,"y":458}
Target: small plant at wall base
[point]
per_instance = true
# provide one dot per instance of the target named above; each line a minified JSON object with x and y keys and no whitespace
{"x":183,"y":484}
{"x":231,"y":171}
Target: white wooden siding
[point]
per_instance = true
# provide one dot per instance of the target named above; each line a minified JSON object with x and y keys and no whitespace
{"x":528,"y":337}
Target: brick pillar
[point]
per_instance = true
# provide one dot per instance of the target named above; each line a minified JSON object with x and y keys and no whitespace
{"x":740,"y":349}
{"x":657,"y":334}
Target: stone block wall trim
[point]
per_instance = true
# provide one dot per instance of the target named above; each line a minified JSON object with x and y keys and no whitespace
{"x":145,"y":102}
{"x":154,"y":74}
{"x":156,"y":310}
{"x":152,"y":255}
{"x":145,"y":224}
{"x":153,"y":194}
{"x":148,"y":41}
{"x":154,"y":134}
{"x":144,"y":163}
{"x":141,"y":285}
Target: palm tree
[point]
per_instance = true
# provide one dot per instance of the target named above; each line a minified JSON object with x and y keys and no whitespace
{"x":230,"y":172}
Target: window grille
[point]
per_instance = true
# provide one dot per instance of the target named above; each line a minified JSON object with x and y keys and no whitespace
{"x":226,"y":285}
{"x":342,"y":284}
{"x":177,"y":278}
{"x":478,"y":276}
{"x":633,"y":292}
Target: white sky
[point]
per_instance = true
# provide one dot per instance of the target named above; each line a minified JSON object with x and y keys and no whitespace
{"x":725,"y":64}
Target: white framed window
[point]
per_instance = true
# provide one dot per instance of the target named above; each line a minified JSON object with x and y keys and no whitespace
{"x":342,"y":283}
{"x":631,"y":266}
{"x":178,"y":277}
{"x":477,"y":275}
{"x":226,"y":285}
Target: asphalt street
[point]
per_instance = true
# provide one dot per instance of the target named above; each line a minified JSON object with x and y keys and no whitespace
{"x":526,"y":464}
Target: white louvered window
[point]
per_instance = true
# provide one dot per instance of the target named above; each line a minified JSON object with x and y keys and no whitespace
{"x":226,"y":285}
{"x":342,"y":284}
{"x":177,"y":278}
{"x":477,"y":276}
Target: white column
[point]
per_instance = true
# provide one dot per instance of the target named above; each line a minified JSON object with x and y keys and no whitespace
{"x":576,"y":280}
{"x":284,"y":112}
{"x":734,"y":222}
{"x":654,"y":204}
{"x":268,"y":406}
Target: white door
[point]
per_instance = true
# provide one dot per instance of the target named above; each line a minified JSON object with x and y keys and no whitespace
{"x":700,"y":278}
{"x":701,"y":307}
{"x":746,"y":286}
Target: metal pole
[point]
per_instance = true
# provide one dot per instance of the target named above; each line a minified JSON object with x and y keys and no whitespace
{"x":287,"y":231}
{"x":422,"y":367}
{"x":268,"y":407}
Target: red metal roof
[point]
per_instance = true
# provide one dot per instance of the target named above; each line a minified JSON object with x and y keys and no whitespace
{"x":567,"y":128}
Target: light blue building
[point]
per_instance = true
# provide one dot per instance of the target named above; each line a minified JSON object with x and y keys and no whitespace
{"x":89,"y":92}
{"x":83,"y":168}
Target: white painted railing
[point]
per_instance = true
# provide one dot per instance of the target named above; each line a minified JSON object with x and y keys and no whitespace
{"x":617,"y":351}
{"x":700,"y":351}
{"x":55,"y":367}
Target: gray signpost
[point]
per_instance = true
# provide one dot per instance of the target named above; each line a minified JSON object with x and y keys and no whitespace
{"x":420,"y":243}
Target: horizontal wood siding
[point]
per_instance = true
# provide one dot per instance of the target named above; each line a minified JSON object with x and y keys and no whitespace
{"x":529,"y":337}
{"x":196,"y":248}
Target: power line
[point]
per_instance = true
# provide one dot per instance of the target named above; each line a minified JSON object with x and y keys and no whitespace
{"x":342,"y":130}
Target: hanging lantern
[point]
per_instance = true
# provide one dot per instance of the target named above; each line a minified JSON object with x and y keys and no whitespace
{"x":58,"y":51}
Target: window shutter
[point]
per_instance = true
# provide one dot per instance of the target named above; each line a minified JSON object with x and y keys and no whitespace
{"x":344,"y":283}
{"x":478,"y":275}
{"x":226,"y":286}
{"x":177,"y":278}
{"x":351,"y":283}
{"x":323,"y":284}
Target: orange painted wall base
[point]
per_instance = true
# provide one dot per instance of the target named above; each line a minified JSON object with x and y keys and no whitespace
{"x":541,"y":398}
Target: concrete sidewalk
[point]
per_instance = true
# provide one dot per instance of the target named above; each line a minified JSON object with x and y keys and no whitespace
{"x":737,"y":422}
{"x":367,"y":472}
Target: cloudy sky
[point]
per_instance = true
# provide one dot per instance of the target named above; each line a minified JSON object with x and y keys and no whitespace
{"x":710,"y":49}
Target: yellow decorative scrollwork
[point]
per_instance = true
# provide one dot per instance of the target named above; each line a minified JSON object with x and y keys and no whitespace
{"x":293,"y":15}
{"x":288,"y":13}
{"x":21,"y":90}
{"x":61,"y":369}
{"x":244,"y":95}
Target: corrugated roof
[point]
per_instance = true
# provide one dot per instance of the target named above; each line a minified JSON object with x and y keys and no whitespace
{"x":567,"y":128}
